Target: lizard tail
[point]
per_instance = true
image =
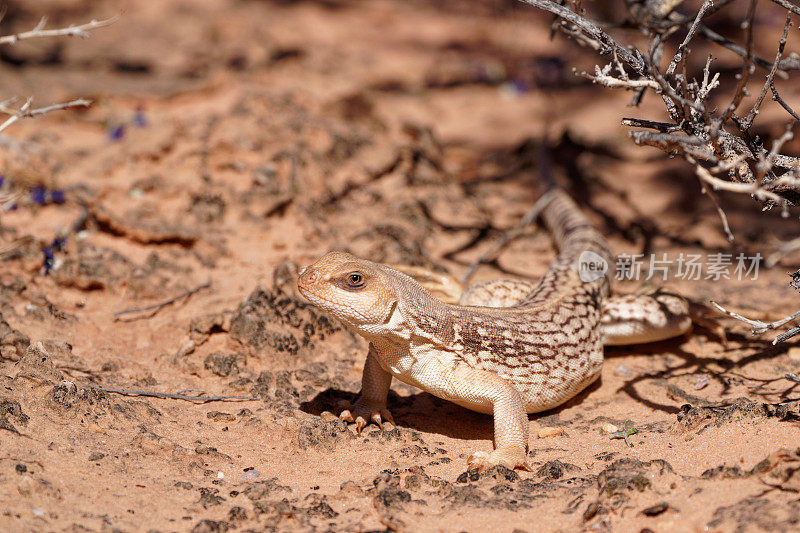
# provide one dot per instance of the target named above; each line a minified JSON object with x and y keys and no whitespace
{"x":571,"y":230}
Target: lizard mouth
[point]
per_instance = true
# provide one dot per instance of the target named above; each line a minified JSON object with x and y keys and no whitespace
{"x":318,"y":300}
{"x":348,"y":316}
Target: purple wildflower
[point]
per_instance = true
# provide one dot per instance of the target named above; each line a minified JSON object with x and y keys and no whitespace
{"x":39,"y":195}
{"x":57,"y":197}
{"x":139,"y":120}
{"x":49,"y":259}
{"x":117,"y":132}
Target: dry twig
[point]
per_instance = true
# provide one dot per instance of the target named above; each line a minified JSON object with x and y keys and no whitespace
{"x":26,"y":111}
{"x":175,"y":396}
{"x":82,"y":30}
{"x":722,"y":146}
{"x":759,"y":327}
{"x":158,"y":306}
{"x":700,"y":130}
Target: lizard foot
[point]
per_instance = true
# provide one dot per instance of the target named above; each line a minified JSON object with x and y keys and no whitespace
{"x":508,"y":457}
{"x":364,"y":413}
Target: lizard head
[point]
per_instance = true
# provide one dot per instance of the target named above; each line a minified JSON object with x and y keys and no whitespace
{"x":359,"y":293}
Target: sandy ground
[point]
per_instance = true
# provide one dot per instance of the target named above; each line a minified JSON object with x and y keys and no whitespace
{"x":233,"y":140}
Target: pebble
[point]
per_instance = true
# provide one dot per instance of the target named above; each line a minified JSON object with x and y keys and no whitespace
{"x":794,"y":353}
{"x":186,"y":348}
{"x":251,"y":475}
{"x":549,"y":432}
{"x":610,"y":428}
{"x":25,"y":485}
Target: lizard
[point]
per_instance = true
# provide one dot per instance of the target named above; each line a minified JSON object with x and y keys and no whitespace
{"x":508,"y":347}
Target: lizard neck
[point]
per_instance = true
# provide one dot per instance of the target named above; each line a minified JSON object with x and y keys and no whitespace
{"x":418,"y":330}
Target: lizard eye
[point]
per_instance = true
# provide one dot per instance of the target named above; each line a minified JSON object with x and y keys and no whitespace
{"x":355,"y":280}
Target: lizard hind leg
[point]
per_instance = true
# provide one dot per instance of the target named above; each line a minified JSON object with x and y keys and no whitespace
{"x":642,"y":318}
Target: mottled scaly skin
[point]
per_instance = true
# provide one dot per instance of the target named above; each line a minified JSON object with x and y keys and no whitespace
{"x":548,"y":345}
{"x":515,"y":348}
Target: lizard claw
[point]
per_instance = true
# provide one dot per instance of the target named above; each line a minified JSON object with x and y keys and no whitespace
{"x":509,"y":458}
{"x":362,"y":414}
{"x":382,"y":416}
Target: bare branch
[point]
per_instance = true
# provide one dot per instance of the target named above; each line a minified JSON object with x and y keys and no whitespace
{"x":777,"y":98}
{"x":725,"y":226}
{"x":158,"y":306}
{"x":692,"y":30}
{"x":771,"y":76}
{"x":789,"y":63}
{"x":759,"y":327}
{"x":176,"y":396}
{"x":731,"y":161}
{"x":747,"y":69}
{"x":670,"y":142}
{"x":663,"y":127}
{"x":746,"y":188}
{"x":786,"y":4}
{"x":81,"y":30}
{"x":602,"y":77}
{"x":26,"y":111}
{"x":591,"y":29}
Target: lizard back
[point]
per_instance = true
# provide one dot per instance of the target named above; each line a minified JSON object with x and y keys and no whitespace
{"x":548,"y":343}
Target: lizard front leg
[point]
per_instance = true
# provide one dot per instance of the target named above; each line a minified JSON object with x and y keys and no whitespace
{"x":371,"y":403}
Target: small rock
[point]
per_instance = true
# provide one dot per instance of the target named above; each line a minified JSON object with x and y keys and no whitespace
{"x":237,"y":514}
{"x":555,"y":469}
{"x":186,"y":348}
{"x":26,"y":486}
{"x":590,"y":511}
{"x":549,"y":432}
{"x":610,"y":428}
{"x":225,"y":364}
{"x":250,"y":475}
{"x":656,"y":509}
{"x":70,"y":387}
{"x":469,"y":475}
{"x":350,"y":488}
{"x":220,"y":416}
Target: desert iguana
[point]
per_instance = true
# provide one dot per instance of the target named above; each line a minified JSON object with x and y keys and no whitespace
{"x":510,"y":347}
